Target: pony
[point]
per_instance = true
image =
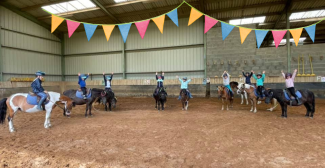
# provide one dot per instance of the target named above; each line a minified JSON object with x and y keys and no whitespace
{"x":161,"y":99}
{"x":95,"y":93}
{"x":243,"y":95}
{"x":249,"y":89}
{"x":184,"y":99}
{"x":224,"y":93}
{"x":108,"y":97}
{"x":307,"y":99}
{"x":18,"y":102}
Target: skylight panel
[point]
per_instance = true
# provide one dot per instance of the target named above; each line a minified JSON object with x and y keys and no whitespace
{"x":284,"y":41}
{"x":119,"y":1}
{"x":308,"y":14}
{"x":260,"y":19}
{"x":69,"y":6}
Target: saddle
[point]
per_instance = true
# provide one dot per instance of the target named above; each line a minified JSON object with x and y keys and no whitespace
{"x":79,"y":93}
{"x":257,"y":95}
{"x":33,"y":98}
{"x":288,"y":95}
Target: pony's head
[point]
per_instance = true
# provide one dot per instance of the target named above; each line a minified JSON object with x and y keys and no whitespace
{"x":240,"y":88}
{"x":68,"y":104}
{"x":220,"y":91}
{"x":268,"y":96}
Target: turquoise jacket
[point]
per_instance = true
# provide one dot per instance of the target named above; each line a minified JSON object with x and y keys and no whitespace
{"x":259,"y":82}
{"x":184,"y":84}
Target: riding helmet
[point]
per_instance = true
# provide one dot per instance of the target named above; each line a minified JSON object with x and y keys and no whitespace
{"x":83,"y":76}
{"x":185,"y":78}
{"x":108,"y":77}
{"x":247,"y":73}
{"x":259,"y":74}
{"x":224,"y":75}
{"x":288,"y":74}
{"x":40,"y":73}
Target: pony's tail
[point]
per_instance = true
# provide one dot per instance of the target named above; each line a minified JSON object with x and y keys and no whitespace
{"x":313,"y":101}
{"x":3,"y":110}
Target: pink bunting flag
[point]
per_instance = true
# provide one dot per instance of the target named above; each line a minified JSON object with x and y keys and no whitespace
{"x":209,"y":23}
{"x":72,"y":26}
{"x":142,"y":27}
{"x":278,"y":36}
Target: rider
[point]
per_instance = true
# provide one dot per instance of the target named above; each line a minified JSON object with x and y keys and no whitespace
{"x":289,"y":83}
{"x":184,"y":85}
{"x":225,"y":77}
{"x":160,"y":82}
{"x":248,"y":77}
{"x":82,"y":83}
{"x":38,"y":89}
{"x":259,"y":82}
{"x":108,"y":82}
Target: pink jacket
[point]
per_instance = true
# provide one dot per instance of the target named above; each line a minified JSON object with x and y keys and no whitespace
{"x":289,"y":82}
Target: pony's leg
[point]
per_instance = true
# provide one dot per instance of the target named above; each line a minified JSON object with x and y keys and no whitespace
{"x":90,"y":109}
{"x":259,"y":102}
{"x":87,"y":106}
{"x":308,"y":109}
{"x":285,"y":111}
{"x":105,"y":106}
{"x":255,"y":110}
{"x":162,"y":106}
{"x":47,"y":123}
{"x":10,"y":118}
{"x":242,"y":98}
{"x":222,"y":104}
{"x":227,"y":103}
{"x":110,"y":107}
{"x":158,"y":105}
{"x":252,"y":105}
{"x":245,"y":93}
{"x":182,"y":105}
{"x":187,"y":104}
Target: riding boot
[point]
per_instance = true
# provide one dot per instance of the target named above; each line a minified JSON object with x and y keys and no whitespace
{"x":179,"y":97}
{"x":190,"y":95}
{"x":85,"y":97}
{"x":39,"y":106}
{"x":298,"y":100}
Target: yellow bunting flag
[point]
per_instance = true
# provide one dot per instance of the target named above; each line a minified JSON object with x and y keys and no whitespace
{"x":108,"y":30}
{"x":56,"y":21}
{"x":244,"y":33}
{"x":160,"y":23}
{"x":194,"y":16}
{"x":296,"y":33}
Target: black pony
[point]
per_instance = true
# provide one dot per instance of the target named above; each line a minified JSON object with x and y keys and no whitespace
{"x":184,"y":99}
{"x":108,"y":97}
{"x":95,"y":93}
{"x":307,"y":99}
{"x":161,"y":98}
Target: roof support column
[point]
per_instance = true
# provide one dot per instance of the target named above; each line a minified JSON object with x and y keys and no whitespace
{"x":1,"y":59}
{"x":62,"y":58}
{"x":124,"y":60}
{"x":288,"y":35}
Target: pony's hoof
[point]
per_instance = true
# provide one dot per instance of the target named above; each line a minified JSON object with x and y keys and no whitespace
{"x":306,"y":116}
{"x":311,"y":117}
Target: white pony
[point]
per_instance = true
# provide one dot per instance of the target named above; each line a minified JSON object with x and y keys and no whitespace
{"x":249,"y":89}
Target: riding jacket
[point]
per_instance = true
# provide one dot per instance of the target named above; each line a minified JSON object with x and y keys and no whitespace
{"x":259,"y":82}
{"x":184,"y":85}
{"x":160,"y":82}
{"x":248,"y":78}
{"x":225,"y":81}
{"x":81,"y":82}
{"x":108,"y":82}
{"x":289,"y":82}
{"x":37,"y":86}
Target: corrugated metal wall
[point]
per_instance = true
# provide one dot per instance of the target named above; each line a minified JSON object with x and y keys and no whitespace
{"x":179,"y":49}
{"x":28,"y":47}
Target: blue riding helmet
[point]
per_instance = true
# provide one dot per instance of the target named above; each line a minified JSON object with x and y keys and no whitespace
{"x":108,"y":77}
{"x":83,"y":76}
{"x":224,"y":75}
{"x":185,"y":78}
{"x":259,"y":74}
{"x":40,"y":73}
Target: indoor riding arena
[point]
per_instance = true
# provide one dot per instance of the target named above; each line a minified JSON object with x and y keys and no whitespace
{"x":162,"y":83}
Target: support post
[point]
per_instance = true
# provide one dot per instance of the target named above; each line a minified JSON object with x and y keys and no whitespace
{"x":62,"y":58}
{"x":288,"y":36}
{"x":205,"y":54}
{"x":1,"y":59}
{"x":124,"y":60}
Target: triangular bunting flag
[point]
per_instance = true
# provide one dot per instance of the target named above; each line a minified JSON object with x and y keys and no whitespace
{"x":209,"y":23}
{"x":173,"y":16}
{"x":296,"y":33}
{"x":142,"y":27}
{"x":244,"y":33}
{"x":311,"y":31}
{"x":56,"y":21}
{"x":160,"y":23}
{"x":260,"y":35}
{"x":194,"y":16}
{"x":124,"y":29}
{"x":278,"y":36}
{"x":72,"y":26}
{"x":90,"y":30}
{"x":226,"y":29}
{"x":108,"y":29}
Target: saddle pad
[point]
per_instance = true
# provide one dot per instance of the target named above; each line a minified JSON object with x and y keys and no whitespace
{"x":228,"y":91}
{"x":292,"y":98}
{"x":79,"y":94}
{"x":32,"y":100}
{"x":256,"y":94}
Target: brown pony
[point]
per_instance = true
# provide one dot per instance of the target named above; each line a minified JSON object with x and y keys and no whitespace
{"x":18,"y":101}
{"x":222,"y":93}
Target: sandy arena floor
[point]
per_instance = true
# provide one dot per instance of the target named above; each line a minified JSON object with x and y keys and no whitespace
{"x":136,"y":135}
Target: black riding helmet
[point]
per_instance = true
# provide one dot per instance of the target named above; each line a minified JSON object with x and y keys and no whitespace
{"x":40,"y":73}
{"x":288,"y":75}
{"x":259,"y":74}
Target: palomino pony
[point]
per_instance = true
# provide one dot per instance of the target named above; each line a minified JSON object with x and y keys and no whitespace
{"x":108,"y":97}
{"x":307,"y":99}
{"x":18,"y":101}
{"x":184,"y":99}
{"x":224,"y":93}
{"x":95,"y":93}
{"x":234,"y":86}
{"x":161,"y":98}
{"x":250,"y":92}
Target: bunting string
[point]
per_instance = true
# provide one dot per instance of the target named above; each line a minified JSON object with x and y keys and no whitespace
{"x":195,"y":14}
